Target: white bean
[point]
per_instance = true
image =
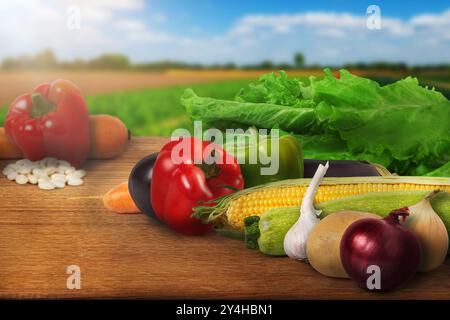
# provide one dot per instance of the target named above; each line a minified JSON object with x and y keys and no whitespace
{"x":71,"y":176}
{"x":80,"y":173}
{"x":59,"y":183}
{"x":21,"y":179}
{"x":24,"y":170}
{"x":32,"y":179}
{"x":58,"y":177}
{"x":50,"y":170}
{"x":27,"y":163}
{"x":22,"y":162}
{"x":52,"y":162}
{"x":46,"y":185}
{"x":43,"y":162}
{"x":74,"y":182}
{"x":12,"y":176}
{"x":70,"y":170}
{"x":43,"y":179}
{"x":32,"y":165}
{"x":63,"y":163}
{"x":8,"y":169}
{"x":39,"y":172}
{"x":48,"y":173}
{"x":61,"y":169}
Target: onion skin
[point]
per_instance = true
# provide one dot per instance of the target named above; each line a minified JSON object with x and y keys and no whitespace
{"x":383,"y":243}
{"x":431,"y":232}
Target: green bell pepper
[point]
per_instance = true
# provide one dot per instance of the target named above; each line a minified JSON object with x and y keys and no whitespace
{"x":290,"y":160}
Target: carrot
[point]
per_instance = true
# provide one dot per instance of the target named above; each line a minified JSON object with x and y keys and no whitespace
{"x":119,"y":200}
{"x":109,"y":138}
{"x":7,"y":149}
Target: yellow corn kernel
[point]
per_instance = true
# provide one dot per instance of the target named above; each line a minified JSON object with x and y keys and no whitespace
{"x":259,"y":201}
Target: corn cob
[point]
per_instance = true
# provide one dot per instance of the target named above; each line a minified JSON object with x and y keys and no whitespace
{"x":231,"y":210}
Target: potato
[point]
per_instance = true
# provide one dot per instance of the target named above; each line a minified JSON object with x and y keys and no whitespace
{"x":323,"y":245}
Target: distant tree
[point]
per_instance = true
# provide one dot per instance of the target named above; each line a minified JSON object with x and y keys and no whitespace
{"x":377,"y":65}
{"x":283,"y":66}
{"x":9,"y":63}
{"x":267,"y":65}
{"x":387,"y":65}
{"x":110,"y":61}
{"x":45,"y":60}
{"x":299,"y":60}
{"x":229,"y":66}
{"x":315,"y":66}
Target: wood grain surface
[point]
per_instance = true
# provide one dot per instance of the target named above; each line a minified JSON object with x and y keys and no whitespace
{"x":131,"y":256}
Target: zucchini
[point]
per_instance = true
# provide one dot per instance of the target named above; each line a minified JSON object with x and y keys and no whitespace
{"x":267,"y":233}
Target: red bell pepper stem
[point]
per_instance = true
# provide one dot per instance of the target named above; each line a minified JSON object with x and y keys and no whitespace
{"x":40,"y":106}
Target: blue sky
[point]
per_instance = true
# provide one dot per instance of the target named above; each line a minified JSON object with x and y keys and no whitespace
{"x":246,"y":31}
{"x":216,"y":16}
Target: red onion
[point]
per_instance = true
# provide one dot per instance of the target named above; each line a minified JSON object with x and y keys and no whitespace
{"x":380,"y":254}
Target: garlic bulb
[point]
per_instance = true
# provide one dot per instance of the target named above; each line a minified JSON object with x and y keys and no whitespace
{"x":424,"y":222}
{"x":296,"y":237}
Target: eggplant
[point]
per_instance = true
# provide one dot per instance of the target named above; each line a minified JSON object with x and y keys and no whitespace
{"x":341,"y":168}
{"x":139,"y":184}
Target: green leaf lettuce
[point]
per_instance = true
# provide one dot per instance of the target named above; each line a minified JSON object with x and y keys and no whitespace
{"x":402,"y":126}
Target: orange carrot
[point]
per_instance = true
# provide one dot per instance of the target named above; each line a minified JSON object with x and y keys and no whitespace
{"x":119,"y":200}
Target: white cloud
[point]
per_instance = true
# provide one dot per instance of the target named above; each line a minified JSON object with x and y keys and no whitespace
{"x":318,"y":19}
{"x":130,"y":25}
{"x":149,"y":37}
{"x":332,"y":33}
{"x":323,"y":20}
{"x":101,"y":11}
{"x":442,"y":19}
{"x":114,"y":5}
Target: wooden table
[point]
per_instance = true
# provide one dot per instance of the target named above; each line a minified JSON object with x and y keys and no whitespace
{"x":130,"y":256}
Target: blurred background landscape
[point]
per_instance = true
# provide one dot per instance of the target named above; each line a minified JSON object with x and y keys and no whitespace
{"x":134,"y":58}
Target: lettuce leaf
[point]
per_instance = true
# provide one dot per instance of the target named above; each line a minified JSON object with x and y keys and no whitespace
{"x":224,"y":114}
{"x":402,"y":126}
{"x":443,"y":171}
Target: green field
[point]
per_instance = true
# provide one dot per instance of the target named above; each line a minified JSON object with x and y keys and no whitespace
{"x":157,"y":112}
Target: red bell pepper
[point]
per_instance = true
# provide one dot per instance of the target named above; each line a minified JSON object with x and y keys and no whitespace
{"x":179,"y":184}
{"x":52,"y":121}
